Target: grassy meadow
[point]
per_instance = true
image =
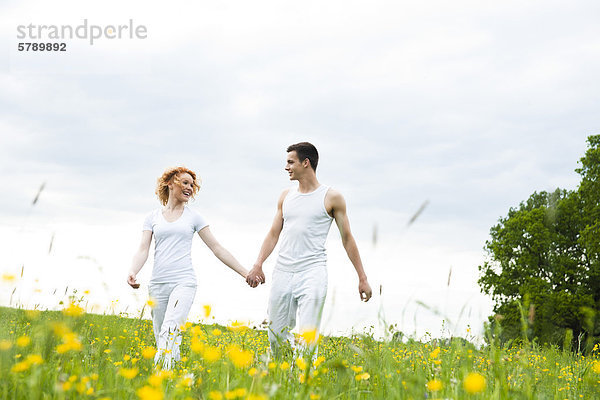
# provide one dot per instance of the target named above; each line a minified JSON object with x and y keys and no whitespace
{"x":71,"y":354}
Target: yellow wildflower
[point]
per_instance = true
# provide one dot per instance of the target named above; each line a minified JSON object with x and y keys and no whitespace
{"x":318,"y":361}
{"x":237,"y":326}
{"x":256,"y":397}
{"x":148,"y":352}
{"x":186,"y":326}
{"x":284,"y":366}
{"x":596,"y":367}
{"x":434,"y":385}
{"x":20,"y":366}
{"x":197,"y":331}
{"x":196,"y":345}
{"x":155,"y":380}
{"x":34,"y":359}
{"x":230,"y":395}
{"x":128,"y":373}
{"x":60,"y":329}
{"x":211,"y":354}
{"x":5,"y":345}
{"x":207,"y":310}
{"x":215,"y":395}
{"x":474,"y":383}
{"x":185,"y":381}
{"x":301,"y":363}
{"x":362,"y":377}
{"x":23,"y":341}
{"x":70,"y":342}
{"x":73,"y":310}
{"x":62,"y":348}
{"x":216,"y":332}
{"x":435,"y":353}
{"x":80,"y":387}
{"x":151,"y":303}
{"x":239,"y":357}
{"x":310,"y":336}
{"x":149,"y":393}
{"x":8,"y":277}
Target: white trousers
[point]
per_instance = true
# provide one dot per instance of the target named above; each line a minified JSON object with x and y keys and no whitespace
{"x":173,"y":302}
{"x":292,"y":293}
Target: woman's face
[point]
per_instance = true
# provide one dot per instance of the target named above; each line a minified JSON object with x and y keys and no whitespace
{"x":182,"y":187}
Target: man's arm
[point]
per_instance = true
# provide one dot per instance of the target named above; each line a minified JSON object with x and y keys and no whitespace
{"x":221,"y":252}
{"x":336,"y":203}
{"x":256,"y":274}
{"x":139,"y":259}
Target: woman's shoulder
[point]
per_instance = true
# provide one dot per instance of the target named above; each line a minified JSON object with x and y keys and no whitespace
{"x":192,"y":212}
{"x":196,"y":219}
{"x":154,"y":213}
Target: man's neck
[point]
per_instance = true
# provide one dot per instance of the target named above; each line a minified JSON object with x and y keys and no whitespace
{"x":308,"y":184}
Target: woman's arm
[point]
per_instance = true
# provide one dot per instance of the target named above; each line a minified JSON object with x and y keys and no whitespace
{"x":256,"y":275}
{"x":139,"y":258}
{"x":221,"y":252}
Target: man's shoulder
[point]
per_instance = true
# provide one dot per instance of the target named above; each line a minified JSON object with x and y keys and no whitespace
{"x":334,"y":194}
{"x":284,"y":193}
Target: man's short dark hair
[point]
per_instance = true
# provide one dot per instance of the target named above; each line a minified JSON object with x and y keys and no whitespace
{"x":306,"y":150}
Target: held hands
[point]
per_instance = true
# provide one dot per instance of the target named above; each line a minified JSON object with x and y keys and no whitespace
{"x":255,"y":276}
{"x":364,"y":290}
{"x":132,"y":281}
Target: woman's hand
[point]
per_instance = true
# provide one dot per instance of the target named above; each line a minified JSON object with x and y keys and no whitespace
{"x":132,"y":281}
{"x":255,"y":276}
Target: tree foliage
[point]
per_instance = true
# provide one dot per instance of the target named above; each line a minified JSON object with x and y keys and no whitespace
{"x":543,"y":261}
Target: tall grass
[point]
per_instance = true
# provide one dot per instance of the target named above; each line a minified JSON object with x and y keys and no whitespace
{"x":71,"y":354}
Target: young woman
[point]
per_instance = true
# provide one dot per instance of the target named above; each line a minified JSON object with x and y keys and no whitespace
{"x":173,"y":283}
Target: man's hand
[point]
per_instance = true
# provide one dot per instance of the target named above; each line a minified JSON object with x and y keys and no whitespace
{"x":364,"y":290}
{"x":132,"y":281}
{"x":255,"y":276}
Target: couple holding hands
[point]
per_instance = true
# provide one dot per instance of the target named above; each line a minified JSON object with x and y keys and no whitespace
{"x":299,"y":280}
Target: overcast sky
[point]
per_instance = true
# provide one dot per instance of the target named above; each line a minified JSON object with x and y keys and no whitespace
{"x":469,"y":105}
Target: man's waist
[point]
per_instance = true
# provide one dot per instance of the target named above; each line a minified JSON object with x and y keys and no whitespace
{"x":295,"y":264}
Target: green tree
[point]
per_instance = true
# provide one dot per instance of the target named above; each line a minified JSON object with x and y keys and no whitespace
{"x":543,"y":261}
{"x":589,"y":192}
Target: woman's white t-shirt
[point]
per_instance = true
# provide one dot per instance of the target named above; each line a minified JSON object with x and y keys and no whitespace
{"x":173,"y":245}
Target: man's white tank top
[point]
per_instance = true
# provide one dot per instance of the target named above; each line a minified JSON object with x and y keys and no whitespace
{"x":305,"y":227}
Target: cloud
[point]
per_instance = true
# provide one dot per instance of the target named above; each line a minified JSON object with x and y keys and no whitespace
{"x":470,"y":105}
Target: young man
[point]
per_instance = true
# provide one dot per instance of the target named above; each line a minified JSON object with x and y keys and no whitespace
{"x":304,"y":215}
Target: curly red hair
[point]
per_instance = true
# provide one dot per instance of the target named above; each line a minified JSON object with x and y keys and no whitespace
{"x":172,"y":175}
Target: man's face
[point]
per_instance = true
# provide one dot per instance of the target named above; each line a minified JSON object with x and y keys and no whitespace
{"x":293,"y":166}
